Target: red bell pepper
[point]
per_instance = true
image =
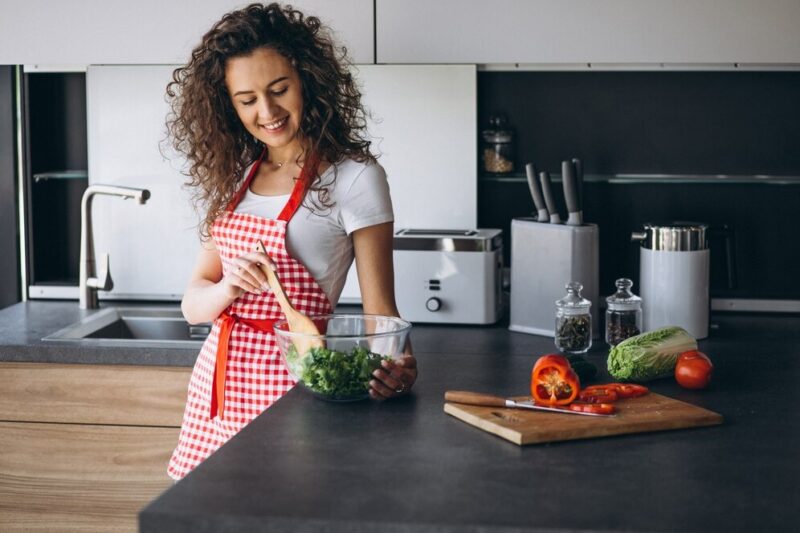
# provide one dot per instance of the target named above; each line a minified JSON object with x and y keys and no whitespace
{"x":553,"y":382}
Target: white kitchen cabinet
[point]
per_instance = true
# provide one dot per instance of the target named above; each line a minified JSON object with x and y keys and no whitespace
{"x":82,"y":32}
{"x":578,"y":32}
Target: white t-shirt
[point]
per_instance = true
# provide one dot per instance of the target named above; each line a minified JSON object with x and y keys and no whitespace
{"x":320,"y":238}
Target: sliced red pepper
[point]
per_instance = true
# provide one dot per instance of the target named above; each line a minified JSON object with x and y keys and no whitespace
{"x":623,"y":390}
{"x":596,"y":408}
{"x":553,"y":382}
{"x":598,"y":395}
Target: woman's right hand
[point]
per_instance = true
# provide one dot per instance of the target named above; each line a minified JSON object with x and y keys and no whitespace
{"x":246,"y":275}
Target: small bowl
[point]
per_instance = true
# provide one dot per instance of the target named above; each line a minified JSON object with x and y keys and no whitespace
{"x":346,"y":352}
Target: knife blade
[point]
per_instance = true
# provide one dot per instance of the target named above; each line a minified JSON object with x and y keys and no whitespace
{"x":547,"y":191}
{"x":569,"y":181}
{"x":541,"y":209}
{"x":488,"y":400}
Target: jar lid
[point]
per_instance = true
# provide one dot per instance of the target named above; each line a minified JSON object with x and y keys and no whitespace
{"x":573,"y":301}
{"x":497,"y":136}
{"x":623,"y":299}
{"x":497,"y":132}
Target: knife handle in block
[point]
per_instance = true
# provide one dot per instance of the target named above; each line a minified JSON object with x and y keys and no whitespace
{"x":474,"y":398}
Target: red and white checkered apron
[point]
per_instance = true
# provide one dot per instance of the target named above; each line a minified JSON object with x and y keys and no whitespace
{"x":253,"y":377}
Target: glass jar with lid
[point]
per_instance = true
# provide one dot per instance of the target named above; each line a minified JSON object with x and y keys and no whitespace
{"x":498,"y":146}
{"x":573,"y":321}
{"x":623,"y":313}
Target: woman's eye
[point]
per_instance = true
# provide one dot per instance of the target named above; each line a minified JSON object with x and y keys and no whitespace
{"x":249,"y":102}
{"x":280,"y":91}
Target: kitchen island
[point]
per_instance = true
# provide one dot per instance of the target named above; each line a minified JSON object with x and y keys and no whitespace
{"x":405,"y":465}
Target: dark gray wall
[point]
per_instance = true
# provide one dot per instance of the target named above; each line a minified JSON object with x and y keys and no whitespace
{"x":739,"y":123}
{"x":651,"y":122}
{"x":9,"y":251}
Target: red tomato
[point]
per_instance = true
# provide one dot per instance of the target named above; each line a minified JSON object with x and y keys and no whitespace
{"x":693,"y":370}
{"x":597,"y":408}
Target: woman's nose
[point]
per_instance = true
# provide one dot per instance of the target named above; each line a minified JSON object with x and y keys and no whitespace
{"x":266,"y":109}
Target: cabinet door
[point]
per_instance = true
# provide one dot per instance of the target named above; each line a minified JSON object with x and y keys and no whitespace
{"x":71,"y":477}
{"x":587,"y":31}
{"x":82,"y":32}
{"x":93,"y":394}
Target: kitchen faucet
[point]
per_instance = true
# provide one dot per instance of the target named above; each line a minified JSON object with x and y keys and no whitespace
{"x":89,"y":282}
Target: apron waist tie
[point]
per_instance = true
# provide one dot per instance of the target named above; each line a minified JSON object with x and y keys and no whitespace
{"x":226,"y":327}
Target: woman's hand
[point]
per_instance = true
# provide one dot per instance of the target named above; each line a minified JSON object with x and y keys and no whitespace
{"x":246,"y":275}
{"x":394,"y":378}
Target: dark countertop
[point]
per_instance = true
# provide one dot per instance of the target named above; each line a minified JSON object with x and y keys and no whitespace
{"x":24,"y":325}
{"x":404,"y":465}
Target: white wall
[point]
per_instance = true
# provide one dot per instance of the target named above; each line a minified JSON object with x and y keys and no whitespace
{"x":82,"y":32}
{"x":588,"y":31}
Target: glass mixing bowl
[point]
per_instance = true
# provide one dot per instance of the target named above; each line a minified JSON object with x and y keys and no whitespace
{"x":337,"y":364}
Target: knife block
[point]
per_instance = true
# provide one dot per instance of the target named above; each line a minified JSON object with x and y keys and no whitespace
{"x":544,"y":258}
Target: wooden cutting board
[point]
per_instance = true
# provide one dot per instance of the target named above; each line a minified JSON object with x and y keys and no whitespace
{"x":652,"y":412}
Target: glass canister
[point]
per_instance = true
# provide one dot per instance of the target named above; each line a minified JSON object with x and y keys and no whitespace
{"x":498,"y":146}
{"x":573,"y":321}
{"x":623,"y":313}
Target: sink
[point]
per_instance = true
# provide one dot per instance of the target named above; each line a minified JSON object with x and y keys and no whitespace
{"x":134,"y":326}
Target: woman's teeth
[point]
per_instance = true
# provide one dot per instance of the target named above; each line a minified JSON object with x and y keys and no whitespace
{"x":275,"y":125}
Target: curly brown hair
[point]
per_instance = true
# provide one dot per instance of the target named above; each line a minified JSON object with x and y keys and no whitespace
{"x":205,"y":128}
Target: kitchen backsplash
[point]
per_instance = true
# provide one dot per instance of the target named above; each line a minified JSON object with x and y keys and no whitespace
{"x":679,"y":124}
{"x":636,"y":123}
{"x":650,"y":122}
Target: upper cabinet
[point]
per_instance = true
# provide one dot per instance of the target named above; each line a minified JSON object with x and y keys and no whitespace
{"x":558,"y":32}
{"x":83,"y":32}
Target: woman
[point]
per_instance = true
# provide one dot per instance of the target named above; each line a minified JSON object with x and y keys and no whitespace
{"x":273,"y":128}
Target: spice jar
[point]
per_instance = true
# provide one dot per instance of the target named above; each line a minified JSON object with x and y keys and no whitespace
{"x":498,"y":146}
{"x":623,"y":314}
{"x":573,"y":321}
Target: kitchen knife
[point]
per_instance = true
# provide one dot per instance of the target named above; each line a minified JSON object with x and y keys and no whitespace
{"x":544,"y":177}
{"x":578,"y":181}
{"x":476,"y":398}
{"x":536,"y":193}
{"x":569,"y":181}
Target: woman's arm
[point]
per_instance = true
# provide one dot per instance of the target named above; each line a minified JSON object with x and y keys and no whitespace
{"x":375,"y":267}
{"x":209,"y":293}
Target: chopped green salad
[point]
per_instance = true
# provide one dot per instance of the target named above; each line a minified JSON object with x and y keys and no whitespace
{"x":334,"y":374}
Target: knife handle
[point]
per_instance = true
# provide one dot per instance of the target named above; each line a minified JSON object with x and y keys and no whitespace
{"x":549,"y":201}
{"x":538,"y":200}
{"x":474,"y":398}
{"x":578,"y":166}
{"x":568,"y":180}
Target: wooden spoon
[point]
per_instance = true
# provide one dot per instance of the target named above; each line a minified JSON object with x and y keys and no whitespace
{"x":297,"y":321}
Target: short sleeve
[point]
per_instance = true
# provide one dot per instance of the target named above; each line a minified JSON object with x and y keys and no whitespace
{"x":367,"y":201}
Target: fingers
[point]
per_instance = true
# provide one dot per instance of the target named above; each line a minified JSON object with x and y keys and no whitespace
{"x":248,"y":272}
{"x":393,"y":379}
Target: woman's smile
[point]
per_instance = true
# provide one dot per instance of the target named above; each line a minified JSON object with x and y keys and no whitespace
{"x":276,"y":125}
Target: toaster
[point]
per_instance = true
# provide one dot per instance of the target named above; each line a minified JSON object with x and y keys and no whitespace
{"x":449,"y":276}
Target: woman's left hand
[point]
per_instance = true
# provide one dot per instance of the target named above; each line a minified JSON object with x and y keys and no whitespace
{"x":394,"y":378}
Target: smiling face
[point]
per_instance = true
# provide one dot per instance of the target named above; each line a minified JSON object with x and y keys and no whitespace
{"x":266,"y":93}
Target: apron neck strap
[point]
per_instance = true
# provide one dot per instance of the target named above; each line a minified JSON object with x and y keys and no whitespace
{"x":243,"y":189}
{"x":300,"y":187}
